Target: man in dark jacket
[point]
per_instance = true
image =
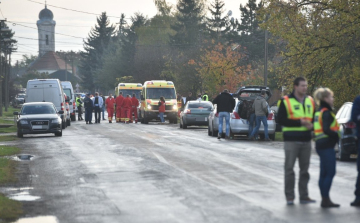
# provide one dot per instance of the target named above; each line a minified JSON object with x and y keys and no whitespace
{"x":225,"y":105}
{"x":88,"y":105}
{"x":355,"y":117}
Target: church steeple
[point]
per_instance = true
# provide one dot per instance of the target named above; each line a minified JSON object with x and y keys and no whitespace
{"x":46,"y":30}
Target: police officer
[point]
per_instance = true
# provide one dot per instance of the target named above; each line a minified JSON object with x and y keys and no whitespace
{"x":296,"y":112}
{"x":88,"y":105}
{"x":205,"y":97}
{"x":79,"y":107}
{"x":326,"y":130}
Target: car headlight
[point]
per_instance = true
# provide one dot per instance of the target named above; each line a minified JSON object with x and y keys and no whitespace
{"x":175,"y":107}
{"x":149,"y":107}
{"x":55,"y":121}
{"x":24,"y":122}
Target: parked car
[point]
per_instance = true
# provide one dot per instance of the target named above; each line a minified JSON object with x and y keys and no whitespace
{"x":274,"y":107}
{"x":39,"y":118}
{"x":195,"y":113}
{"x":18,"y":100}
{"x":213,"y":123}
{"x":70,"y":96}
{"x":347,"y":145}
{"x":47,"y":90}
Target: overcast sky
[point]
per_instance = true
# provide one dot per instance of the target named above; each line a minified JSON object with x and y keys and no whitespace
{"x":75,"y":23}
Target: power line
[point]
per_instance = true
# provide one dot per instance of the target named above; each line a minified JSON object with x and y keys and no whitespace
{"x":20,"y":37}
{"x":73,"y":10}
{"x":56,"y":24}
{"x":14,"y":24}
{"x":2,"y":14}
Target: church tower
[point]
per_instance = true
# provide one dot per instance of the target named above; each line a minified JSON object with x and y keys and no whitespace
{"x":46,"y":29}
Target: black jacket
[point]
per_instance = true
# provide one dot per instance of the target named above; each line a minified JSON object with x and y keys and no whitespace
{"x":299,"y":136}
{"x":88,"y":103}
{"x":327,"y":119}
{"x":225,"y":102}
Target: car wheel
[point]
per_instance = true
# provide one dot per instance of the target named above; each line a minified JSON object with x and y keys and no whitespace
{"x":340,"y":154}
{"x":272,"y":137}
{"x":68,"y":122}
{"x":181,"y":124}
{"x":175,"y":120}
{"x":19,"y":134}
{"x":63,"y":125}
{"x":73,"y":118}
{"x":209,"y":132}
{"x":214,"y":133}
{"x":59,"y":134}
{"x":184,"y":126}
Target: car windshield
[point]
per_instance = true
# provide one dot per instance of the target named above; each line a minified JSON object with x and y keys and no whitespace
{"x":21,"y":96}
{"x":200,"y":105}
{"x":37,"y":109}
{"x":67,"y":91}
{"x":130,"y":92}
{"x":156,"y":93}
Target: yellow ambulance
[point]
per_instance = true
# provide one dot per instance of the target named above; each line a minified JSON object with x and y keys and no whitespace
{"x":129,"y":89}
{"x":150,"y":96}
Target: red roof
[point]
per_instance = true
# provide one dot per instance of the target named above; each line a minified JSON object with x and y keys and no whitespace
{"x":49,"y":61}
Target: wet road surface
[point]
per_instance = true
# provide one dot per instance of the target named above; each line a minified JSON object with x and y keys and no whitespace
{"x":160,"y":173}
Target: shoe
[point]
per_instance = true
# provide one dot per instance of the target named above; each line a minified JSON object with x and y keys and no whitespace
{"x":268,"y":140}
{"x":219,"y":136}
{"x":307,"y":201}
{"x":356,"y":203}
{"x":290,"y":202}
{"x":91,"y":123}
{"x":327,"y":203}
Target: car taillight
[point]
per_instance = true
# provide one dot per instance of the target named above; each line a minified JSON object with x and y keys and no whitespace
{"x":235,"y":115}
{"x":67,"y":106}
{"x":73,"y":105}
{"x":62,"y":106}
{"x":188,"y":111}
{"x":350,"y":125}
{"x":270,"y":116}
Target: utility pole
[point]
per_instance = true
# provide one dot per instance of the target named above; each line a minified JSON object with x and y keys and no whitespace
{"x":6,"y":77}
{"x":65,"y":68}
{"x":266,"y":59}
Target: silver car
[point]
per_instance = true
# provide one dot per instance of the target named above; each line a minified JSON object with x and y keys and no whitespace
{"x":213,"y":124}
{"x":195,"y":113}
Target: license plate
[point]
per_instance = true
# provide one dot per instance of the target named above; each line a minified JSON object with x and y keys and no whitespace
{"x":37,"y":127}
{"x":200,"y":119}
{"x":163,"y":115}
{"x":353,"y":156}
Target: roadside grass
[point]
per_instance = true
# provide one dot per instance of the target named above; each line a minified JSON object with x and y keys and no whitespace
{"x":11,"y":129}
{"x":6,"y":138}
{"x":279,"y":136}
{"x":9,"y":209}
{"x":8,"y":119}
{"x":8,"y":150}
{"x":9,"y":113}
{"x":7,"y":171}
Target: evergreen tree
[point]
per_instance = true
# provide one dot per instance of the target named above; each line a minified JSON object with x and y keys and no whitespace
{"x":218,"y":26}
{"x":94,"y":47}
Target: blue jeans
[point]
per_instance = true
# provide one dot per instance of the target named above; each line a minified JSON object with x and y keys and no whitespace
{"x":161,"y":114}
{"x":327,"y":170}
{"x":260,"y":119}
{"x":251,"y":123}
{"x":226,"y":116}
{"x":88,"y":114}
{"x":357,"y":191}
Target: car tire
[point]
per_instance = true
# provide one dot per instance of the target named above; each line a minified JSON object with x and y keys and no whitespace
{"x":272,"y":137}
{"x":214,"y":133}
{"x":181,"y":124}
{"x":68,"y":122}
{"x":175,"y":121}
{"x":63,"y":125}
{"x":19,"y":134}
{"x":73,"y":118}
{"x":58,"y":134}
{"x":340,"y":154}
{"x":184,"y":126}
{"x":209,"y":132}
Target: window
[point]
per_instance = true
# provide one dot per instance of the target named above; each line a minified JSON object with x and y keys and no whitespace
{"x":156,"y":93}
{"x":200,"y":105}
{"x":47,"y":39}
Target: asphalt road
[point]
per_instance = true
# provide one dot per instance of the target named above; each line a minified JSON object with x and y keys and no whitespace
{"x":160,"y":173}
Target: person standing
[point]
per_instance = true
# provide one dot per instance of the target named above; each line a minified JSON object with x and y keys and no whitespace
{"x":109,"y":103}
{"x":126,"y":109}
{"x":296,"y":112}
{"x":326,"y":129}
{"x":118,"y":101}
{"x":79,"y":107}
{"x":225,"y":105}
{"x":355,"y":117}
{"x":134,"y":106}
{"x":98,"y":103}
{"x":162,"y":109}
{"x":180,"y":103}
{"x":89,"y":106}
{"x":199,"y":97}
{"x":252,"y":120}
{"x":103,"y":107}
{"x":189,"y":98}
{"x":261,"y":112}
{"x":205,"y":97}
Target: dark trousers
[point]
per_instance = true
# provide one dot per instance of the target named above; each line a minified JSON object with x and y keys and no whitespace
{"x":357,"y":191}
{"x":88,"y":114}
{"x":327,"y":170}
{"x":79,"y":113}
{"x":97,"y":114}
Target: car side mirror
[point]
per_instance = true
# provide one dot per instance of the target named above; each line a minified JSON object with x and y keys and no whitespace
{"x":16,"y":113}
{"x":142,"y":97}
{"x":61,"y":112}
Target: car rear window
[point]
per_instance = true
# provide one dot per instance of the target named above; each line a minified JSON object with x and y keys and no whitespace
{"x":200,"y":105}
{"x":251,"y":95}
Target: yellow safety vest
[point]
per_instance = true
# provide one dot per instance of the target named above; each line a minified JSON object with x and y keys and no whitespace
{"x":318,"y":125}
{"x":296,"y":111}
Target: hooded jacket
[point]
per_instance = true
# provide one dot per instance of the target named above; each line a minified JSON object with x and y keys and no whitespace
{"x":260,"y":106}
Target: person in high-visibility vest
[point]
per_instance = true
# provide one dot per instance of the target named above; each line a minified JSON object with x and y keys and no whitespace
{"x":295,"y":114}
{"x":109,"y":103}
{"x":355,"y":117}
{"x":79,"y":107}
{"x":326,"y":129}
{"x":205,"y":97}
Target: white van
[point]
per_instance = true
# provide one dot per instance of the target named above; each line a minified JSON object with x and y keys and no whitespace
{"x":47,"y":90}
{"x":70,"y":94}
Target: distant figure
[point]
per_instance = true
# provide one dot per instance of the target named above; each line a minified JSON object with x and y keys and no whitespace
{"x":162,"y":109}
{"x":103,"y":107}
{"x":79,"y":105}
{"x":225,"y":105}
{"x":98,"y":103}
{"x":355,"y":117}
{"x":109,"y":103}
{"x":189,"y":97}
{"x":180,"y":103}
{"x":134,"y":106}
{"x":118,"y":101}
{"x":261,"y":112}
{"x":199,"y":97}
{"x":205,"y":97}
{"x":89,"y":106}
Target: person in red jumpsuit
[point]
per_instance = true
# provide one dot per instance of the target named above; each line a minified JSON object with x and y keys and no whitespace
{"x":126,"y":108}
{"x":118,"y":101}
{"x":135,"y":104}
{"x":109,"y":103}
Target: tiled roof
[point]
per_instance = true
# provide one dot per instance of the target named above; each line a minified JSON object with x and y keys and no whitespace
{"x":49,"y":61}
